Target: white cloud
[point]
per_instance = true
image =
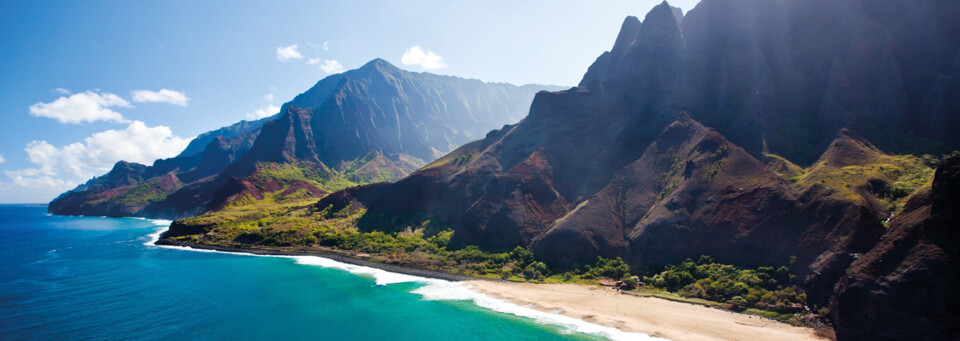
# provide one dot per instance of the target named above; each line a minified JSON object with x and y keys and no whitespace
{"x":268,"y":98}
{"x":425,"y":59}
{"x":60,"y":169}
{"x":162,"y":96}
{"x":263,"y":112}
{"x":86,"y":106}
{"x":29,"y":186}
{"x":288,"y":53}
{"x":326,"y":45}
{"x":61,"y":91}
{"x":330,"y":66}
{"x":98,"y":152}
{"x":2,"y":160}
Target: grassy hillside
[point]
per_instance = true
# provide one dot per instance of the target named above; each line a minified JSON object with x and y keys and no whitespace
{"x":859,"y":172}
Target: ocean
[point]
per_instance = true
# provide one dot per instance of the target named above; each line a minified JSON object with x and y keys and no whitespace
{"x":70,"y":278}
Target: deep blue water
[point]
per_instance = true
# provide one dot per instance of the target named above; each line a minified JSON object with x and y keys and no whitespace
{"x":69,"y":278}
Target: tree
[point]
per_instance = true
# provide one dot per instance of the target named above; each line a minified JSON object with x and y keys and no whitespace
{"x":535,"y":270}
{"x":522,"y":256}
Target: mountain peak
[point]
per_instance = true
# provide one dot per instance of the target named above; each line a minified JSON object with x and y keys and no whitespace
{"x":378,"y":64}
{"x":628,"y":32}
{"x":655,"y":55}
{"x":663,"y":11}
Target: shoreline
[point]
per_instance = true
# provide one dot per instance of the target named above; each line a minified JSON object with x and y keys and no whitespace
{"x":581,"y":308}
{"x":438,"y":286}
{"x":395,"y":268}
{"x":652,"y":316}
{"x":645,"y":317}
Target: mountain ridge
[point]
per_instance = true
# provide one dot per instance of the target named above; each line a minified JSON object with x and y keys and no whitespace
{"x":657,"y":156}
{"x":339,"y":120}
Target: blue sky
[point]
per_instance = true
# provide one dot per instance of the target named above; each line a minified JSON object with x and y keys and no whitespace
{"x":87,"y":83}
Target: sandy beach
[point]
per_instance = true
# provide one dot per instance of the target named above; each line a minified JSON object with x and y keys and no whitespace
{"x":653,"y":316}
{"x":602,"y":306}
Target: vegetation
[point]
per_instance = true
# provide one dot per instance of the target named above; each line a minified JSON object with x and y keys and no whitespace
{"x":325,"y":229}
{"x":783,"y":167}
{"x":374,"y":167}
{"x":141,"y":194}
{"x":764,"y":291}
{"x":318,"y":176}
{"x":286,"y":219}
{"x":887,"y":179}
{"x":764,"y":288}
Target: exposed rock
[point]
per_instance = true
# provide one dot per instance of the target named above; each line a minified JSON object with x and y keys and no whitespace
{"x":605,"y":65}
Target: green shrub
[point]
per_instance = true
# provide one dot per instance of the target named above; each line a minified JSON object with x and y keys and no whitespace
{"x":764,"y":287}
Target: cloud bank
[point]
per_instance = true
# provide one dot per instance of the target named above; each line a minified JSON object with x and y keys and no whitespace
{"x":417,"y":56}
{"x":58,"y":169}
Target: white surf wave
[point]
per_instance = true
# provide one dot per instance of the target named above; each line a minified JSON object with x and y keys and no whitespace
{"x":443,"y":290}
{"x":155,"y":236}
{"x":382,"y":277}
{"x":438,"y":290}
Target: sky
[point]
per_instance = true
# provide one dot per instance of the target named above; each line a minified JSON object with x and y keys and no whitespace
{"x":84,"y":84}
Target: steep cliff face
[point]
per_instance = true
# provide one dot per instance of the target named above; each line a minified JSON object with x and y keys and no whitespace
{"x":655,"y":156}
{"x":905,"y":287}
{"x":787,"y":75}
{"x":376,"y":123}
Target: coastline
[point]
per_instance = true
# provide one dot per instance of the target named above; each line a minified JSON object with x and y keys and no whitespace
{"x":589,"y":309}
{"x":647,"y":315}
{"x":439,"y":286}
{"x":325,"y":254}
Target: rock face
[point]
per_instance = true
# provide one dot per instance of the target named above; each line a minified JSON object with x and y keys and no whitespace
{"x":377,"y":116}
{"x":905,"y":287}
{"x":247,"y":129}
{"x":654,"y":156}
{"x":789,"y":74}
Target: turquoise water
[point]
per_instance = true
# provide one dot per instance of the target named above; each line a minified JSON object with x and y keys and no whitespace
{"x":69,"y":278}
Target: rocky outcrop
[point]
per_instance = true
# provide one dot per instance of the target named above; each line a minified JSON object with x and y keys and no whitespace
{"x":905,"y":287}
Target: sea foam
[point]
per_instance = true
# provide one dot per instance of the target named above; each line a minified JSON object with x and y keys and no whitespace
{"x":163,"y":225}
{"x":440,"y":290}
